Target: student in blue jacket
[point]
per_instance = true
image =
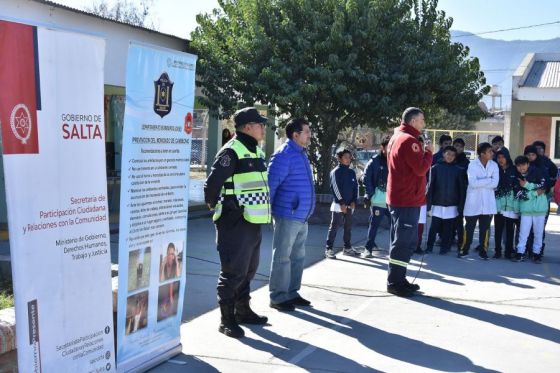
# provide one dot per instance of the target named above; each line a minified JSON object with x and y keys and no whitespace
{"x":344,"y":188}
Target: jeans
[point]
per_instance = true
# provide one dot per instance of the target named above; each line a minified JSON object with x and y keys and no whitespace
{"x":288,"y":254}
{"x":375,"y":218}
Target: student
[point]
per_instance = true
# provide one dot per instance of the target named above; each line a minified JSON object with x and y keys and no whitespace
{"x":344,"y":188}
{"x":498,"y":144}
{"x":375,"y":182}
{"x":552,"y":177}
{"x":462,"y":161}
{"x":445,"y":199}
{"x":533,"y":205}
{"x":507,"y":206}
{"x":423,"y":213}
{"x":444,"y":142}
{"x":480,"y":203}
{"x":536,"y":160}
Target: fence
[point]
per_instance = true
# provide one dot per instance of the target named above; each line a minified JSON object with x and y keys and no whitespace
{"x":471,"y":138}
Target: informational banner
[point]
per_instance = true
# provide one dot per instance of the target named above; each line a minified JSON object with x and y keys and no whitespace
{"x":158,"y":122}
{"x":53,"y":138}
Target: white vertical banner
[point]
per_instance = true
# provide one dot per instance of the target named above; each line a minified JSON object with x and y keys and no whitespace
{"x":158,"y":121}
{"x":53,"y":139}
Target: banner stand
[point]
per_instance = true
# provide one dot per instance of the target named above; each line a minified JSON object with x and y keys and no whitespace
{"x":162,"y":358}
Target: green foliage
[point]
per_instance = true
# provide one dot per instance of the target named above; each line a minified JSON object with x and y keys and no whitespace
{"x":125,"y":11}
{"x":443,"y":119}
{"x":6,"y":294}
{"x":341,"y":63}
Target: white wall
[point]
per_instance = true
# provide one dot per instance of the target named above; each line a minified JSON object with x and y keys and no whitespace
{"x":117,"y":36}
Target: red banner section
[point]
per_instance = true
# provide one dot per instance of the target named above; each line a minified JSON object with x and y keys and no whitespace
{"x":18,"y":96}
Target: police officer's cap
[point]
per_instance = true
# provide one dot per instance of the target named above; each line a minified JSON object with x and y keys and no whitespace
{"x":248,"y":115}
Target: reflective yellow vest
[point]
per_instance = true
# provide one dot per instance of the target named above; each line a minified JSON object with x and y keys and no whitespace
{"x":249,"y":185}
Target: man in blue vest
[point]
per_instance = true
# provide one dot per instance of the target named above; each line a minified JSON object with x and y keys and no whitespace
{"x":292,"y":196}
{"x":237,"y":191}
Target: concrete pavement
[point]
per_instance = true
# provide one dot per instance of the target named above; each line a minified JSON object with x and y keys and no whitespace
{"x":473,"y":315}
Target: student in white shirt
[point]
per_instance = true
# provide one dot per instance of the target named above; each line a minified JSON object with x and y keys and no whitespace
{"x":480,"y":204}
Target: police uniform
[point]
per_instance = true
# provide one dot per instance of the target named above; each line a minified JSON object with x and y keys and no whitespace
{"x":237,"y":190}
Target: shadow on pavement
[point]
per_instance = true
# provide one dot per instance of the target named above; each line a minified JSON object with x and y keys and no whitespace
{"x":515,"y":323}
{"x":395,"y":346}
{"x":287,"y":349}
{"x":184,"y":363}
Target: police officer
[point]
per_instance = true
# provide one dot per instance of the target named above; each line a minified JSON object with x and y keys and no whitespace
{"x":237,"y":191}
{"x":408,"y":162}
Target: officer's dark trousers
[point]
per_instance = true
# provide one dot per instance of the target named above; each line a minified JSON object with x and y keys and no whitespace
{"x":483,"y":232}
{"x":239,"y":245}
{"x":338,"y":219}
{"x":404,"y":237}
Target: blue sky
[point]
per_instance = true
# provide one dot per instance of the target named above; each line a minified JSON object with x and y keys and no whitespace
{"x":178,"y":17}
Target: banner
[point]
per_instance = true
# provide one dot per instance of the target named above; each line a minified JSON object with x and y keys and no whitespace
{"x":53,"y":139}
{"x":156,"y":152}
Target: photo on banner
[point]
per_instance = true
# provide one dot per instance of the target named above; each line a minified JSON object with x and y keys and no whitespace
{"x":157,"y":134}
{"x":53,"y":151}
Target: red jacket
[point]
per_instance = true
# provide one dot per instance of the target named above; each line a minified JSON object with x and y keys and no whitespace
{"x":408,"y":165}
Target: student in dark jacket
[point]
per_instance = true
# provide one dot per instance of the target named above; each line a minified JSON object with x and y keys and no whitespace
{"x":507,"y":216}
{"x":375,"y":183}
{"x":445,"y":199}
{"x":540,"y":162}
{"x":344,"y":188}
{"x":462,"y":161}
{"x":498,"y":144}
{"x":444,"y":142}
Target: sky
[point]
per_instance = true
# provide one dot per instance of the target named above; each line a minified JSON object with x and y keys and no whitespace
{"x":178,"y":17}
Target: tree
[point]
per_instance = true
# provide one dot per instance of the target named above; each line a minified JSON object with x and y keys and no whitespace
{"x":125,"y":11}
{"x":445,"y":120}
{"x":340,"y":63}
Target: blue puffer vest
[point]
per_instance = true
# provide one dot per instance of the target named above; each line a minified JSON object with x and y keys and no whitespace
{"x":292,"y":194}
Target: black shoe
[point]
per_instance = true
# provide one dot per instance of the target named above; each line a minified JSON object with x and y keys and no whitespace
{"x":518,"y":257}
{"x":508,"y":255}
{"x":286,"y":306}
{"x":400,"y":290}
{"x":443,"y":252}
{"x":482,"y":255}
{"x":537,"y":258}
{"x":413,"y":287}
{"x":497,"y":254}
{"x":418,"y":251}
{"x":228,"y":325}
{"x":245,"y":315}
{"x":462,"y":254}
{"x":299,"y":301}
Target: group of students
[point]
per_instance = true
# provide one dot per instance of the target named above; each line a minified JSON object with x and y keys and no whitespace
{"x":461,"y":193}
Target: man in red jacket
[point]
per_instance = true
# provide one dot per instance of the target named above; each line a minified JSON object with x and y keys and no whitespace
{"x":408,"y":162}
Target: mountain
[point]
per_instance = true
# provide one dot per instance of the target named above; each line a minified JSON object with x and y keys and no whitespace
{"x":500,"y":58}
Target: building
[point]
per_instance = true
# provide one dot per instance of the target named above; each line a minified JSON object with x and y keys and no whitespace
{"x":117,"y":37}
{"x":535,"y":108}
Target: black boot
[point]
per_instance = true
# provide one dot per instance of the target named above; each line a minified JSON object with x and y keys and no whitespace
{"x":229,"y":326}
{"x":245,"y":315}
